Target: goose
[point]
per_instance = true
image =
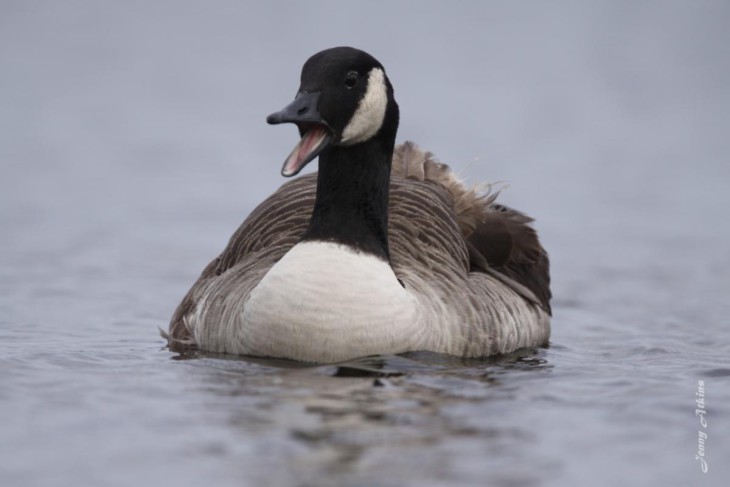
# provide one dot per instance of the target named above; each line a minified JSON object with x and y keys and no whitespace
{"x":382,"y":251}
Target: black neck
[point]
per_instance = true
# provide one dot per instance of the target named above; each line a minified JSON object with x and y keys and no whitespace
{"x":352,"y":197}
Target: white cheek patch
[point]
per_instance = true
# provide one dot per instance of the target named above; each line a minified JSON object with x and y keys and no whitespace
{"x":368,"y":117}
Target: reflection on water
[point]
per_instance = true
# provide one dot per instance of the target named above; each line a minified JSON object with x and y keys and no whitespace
{"x":349,"y":417}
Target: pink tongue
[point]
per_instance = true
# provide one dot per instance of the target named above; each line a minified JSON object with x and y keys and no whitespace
{"x":303,"y":149}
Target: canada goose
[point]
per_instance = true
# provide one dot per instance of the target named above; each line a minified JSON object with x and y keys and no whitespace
{"x":382,"y":251}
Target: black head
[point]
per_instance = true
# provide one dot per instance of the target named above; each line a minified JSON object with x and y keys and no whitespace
{"x":344,"y":99}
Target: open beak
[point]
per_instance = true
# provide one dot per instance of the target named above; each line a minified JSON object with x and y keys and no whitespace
{"x":315,"y":132}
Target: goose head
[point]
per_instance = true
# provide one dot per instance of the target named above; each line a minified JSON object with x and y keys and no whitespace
{"x":344,"y":99}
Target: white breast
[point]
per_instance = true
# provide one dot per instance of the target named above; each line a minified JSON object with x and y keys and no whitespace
{"x":326,"y":302}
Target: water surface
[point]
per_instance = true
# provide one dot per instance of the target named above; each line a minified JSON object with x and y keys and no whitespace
{"x":133,"y":142}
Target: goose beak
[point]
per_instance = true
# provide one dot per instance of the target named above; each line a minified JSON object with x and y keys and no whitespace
{"x":313,"y":129}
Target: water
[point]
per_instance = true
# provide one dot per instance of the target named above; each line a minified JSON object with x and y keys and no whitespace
{"x":132,"y":144}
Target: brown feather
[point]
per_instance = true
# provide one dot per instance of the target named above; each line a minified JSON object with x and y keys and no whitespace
{"x":496,"y":235}
{"x":440,"y":231}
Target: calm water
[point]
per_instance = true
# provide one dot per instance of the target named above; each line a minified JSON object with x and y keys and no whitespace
{"x":132,"y":144}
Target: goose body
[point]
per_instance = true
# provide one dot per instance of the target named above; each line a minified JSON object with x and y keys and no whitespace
{"x":382,"y":251}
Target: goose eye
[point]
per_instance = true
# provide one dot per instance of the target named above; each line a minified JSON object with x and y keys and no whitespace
{"x":351,"y":79}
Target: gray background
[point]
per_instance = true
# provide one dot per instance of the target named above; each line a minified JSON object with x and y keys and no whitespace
{"x":133,"y":142}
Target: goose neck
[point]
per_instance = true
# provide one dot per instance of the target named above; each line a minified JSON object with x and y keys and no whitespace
{"x":351,"y":206}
